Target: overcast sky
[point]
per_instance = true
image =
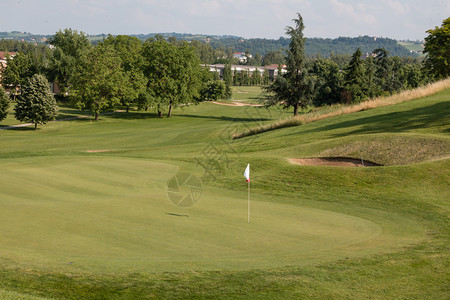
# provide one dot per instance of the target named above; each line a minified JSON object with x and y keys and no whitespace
{"x":398,"y":19}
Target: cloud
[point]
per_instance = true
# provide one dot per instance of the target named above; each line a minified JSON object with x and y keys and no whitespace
{"x":397,"y":7}
{"x":356,"y":13}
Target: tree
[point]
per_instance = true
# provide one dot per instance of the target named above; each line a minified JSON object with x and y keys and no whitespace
{"x":129,"y":49}
{"x":354,"y":79}
{"x":204,"y":51}
{"x":256,"y":77}
{"x":273,"y":57}
{"x":99,"y":81}
{"x":17,"y":71}
{"x":173,"y":73}
{"x":228,"y":79}
{"x":70,"y":45}
{"x":384,"y":70}
{"x":265,"y":77}
{"x":415,"y":76}
{"x":36,"y":103}
{"x":371,"y":88}
{"x":4,"y":103}
{"x":437,"y":48}
{"x":213,"y":90}
{"x":296,"y":87}
{"x":329,"y":81}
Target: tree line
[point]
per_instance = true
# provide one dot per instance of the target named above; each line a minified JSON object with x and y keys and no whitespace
{"x":323,"y":81}
{"x":160,"y":74}
{"x":121,"y":71}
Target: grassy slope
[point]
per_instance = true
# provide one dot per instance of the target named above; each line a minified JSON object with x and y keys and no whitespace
{"x":413,"y":195}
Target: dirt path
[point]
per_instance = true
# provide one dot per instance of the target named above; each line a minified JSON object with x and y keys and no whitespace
{"x":333,"y":161}
{"x":235,"y":103}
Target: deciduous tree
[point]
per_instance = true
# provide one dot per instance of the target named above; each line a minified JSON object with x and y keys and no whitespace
{"x":4,"y":103}
{"x":99,"y":81}
{"x":70,"y":45}
{"x":129,"y":49}
{"x":437,"y":49}
{"x":17,"y":72}
{"x":329,"y":81}
{"x":173,"y":73}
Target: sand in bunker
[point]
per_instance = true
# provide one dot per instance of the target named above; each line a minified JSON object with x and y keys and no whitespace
{"x":235,"y":103}
{"x":333,"y":161}
{"x":95,"y":151}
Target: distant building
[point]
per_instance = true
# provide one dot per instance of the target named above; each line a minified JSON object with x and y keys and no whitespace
{"x":273,"y":69}
{"x":242,"y":57}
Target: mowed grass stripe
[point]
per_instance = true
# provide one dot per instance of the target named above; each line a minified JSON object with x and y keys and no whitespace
{"x":139,"y":231}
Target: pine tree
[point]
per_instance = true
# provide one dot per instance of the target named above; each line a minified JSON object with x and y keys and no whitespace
{"x":296,"y":87}
{"x":36,"y":104}
{"x":354,"y":79}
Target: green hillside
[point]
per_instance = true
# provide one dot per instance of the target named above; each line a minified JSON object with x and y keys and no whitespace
{"x":87,"y":208}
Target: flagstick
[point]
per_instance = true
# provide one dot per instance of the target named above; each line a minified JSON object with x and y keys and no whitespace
{"x":248,"y":217}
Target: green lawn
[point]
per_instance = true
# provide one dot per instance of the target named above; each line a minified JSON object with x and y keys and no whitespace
{"x":412,"y":46}
{"x":85,"y":213}
{"x":247,"y":94}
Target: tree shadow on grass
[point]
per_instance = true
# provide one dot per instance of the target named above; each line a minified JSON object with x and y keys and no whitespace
{"x":22,"y":128}
{"x":225,"y":118}
{"x":133,"y":115}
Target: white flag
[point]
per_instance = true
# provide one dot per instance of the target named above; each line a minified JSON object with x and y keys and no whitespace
{"x":247,"y":173}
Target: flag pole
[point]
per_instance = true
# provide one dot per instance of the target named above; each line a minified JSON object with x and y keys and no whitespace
{"x":248,"y":210}
{"x":247,"y":176}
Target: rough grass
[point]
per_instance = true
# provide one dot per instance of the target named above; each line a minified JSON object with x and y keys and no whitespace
{"x":390,"y":150}
{"x":337,"y":110}
{"x":7,"y":295}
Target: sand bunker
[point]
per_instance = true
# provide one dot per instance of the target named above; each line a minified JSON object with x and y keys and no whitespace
{"x":95,"y":151}
{"x":235,"y":103}
{"x":333,"y":161}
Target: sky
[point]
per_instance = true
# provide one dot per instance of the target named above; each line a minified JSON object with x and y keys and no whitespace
{"x":397,"y":19}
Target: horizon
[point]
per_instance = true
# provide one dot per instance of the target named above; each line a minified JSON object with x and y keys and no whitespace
{"x":202,"y":34}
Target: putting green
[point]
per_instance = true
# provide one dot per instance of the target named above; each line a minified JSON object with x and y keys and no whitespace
{"x":110,"y":214}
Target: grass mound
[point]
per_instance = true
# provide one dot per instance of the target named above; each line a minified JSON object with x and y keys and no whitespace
{"x":337,"y":110}
{"x":391,"y":150}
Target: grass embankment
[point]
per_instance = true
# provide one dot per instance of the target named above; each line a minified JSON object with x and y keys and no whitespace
{"x":98,"y":225}
{"x":340,"y":109}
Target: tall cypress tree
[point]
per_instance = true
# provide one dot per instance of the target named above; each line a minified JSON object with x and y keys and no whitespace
{"x":354,"y":79}
{"x":228,"y":79}
{"x":296,"y":87}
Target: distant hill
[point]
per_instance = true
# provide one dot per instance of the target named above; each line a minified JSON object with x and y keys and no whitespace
{"x":314,"y":46}
{"x":318,"y":46}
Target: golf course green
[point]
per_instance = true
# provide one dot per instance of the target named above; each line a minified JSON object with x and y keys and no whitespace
{"x":86,"y":212}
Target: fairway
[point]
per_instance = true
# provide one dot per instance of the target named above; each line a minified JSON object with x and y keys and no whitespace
{"x":86,"y":207}
{"x":79,"y":213}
